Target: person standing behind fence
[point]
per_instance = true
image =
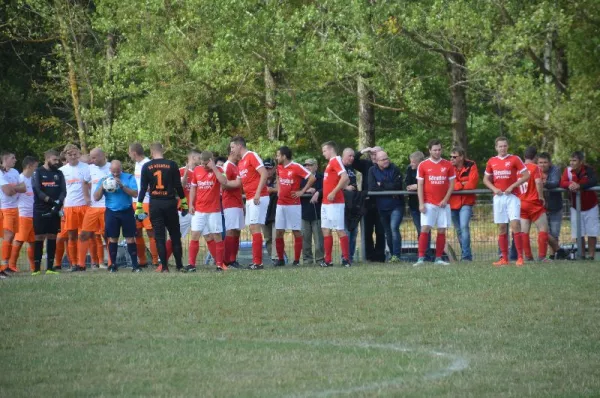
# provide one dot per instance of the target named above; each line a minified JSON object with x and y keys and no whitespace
{"x":501,"y":176}
{"x":435,"y":185}
{"x":268,"y":227}
{"x":467,"y":177}
{"x":332,"y":211}
{"x":577,"y":178}
{"x":554,"y":202}
{"x":386,"y":176}
{"x":311,"y":216}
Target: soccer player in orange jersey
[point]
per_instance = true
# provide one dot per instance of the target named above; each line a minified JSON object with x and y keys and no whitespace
{"x":10,"y":188}
{"x":205,"y":191}
{"x":289,"y":211}
{"x":233,"y":211}
{"x":531,"y":194}
{"x":435,"y":184}
{"x":502,"y":177}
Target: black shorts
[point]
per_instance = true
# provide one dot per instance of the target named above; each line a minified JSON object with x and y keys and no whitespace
{"x":45,"y":223}
{"x":114,"y":221}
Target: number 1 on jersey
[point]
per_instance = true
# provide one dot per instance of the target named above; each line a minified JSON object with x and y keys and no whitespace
{"x":158,"y":175}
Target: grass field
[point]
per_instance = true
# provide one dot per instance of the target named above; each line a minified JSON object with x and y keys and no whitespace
{"x":463,"y":330}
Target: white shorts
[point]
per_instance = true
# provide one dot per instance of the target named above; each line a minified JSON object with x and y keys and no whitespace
{"x":435,"y":216}
{"x":589,"y":222}
{"x":332,"y":216}
{"x":257,"y":214}
{"x":234,"y":218}
{"x":288,"y":217}
{"x":507,"y":207}
{"x":184,"y":224}
{"x":207,"y":223}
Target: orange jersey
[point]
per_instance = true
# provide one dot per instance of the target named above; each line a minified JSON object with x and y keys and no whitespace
{"x":332,"y":176}
{"x":232,"y":198}
{"x":208,"y":190}
{"x":504,"y":171}
{"x":436,"y":177}
{"x":528,"y":190}
{"x":289,"y":178}
{"x":248,"y":172}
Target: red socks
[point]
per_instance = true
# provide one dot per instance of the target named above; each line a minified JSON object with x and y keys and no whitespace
{"x":328,"y":247}
{"x":236,"y":248}
{"x":542,"y":244}
{"x":526,"y":245}
{"x":194,"y":248}
{"x":345,"y":246}
{"x":169,"y":247}
{"x":440,"y":243}
{"x":280,"y":247}
{"x":219,"y":252}
{"x":423,"y":239}
{"x":257,"y":252}
{"x":297,"y":248}
{"x":503,"y":243}
{"x":229,"y":242}
{"x":519,"y":244}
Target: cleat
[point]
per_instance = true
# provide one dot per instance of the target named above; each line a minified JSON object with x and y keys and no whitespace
{"x":221,"y":268}
{"x":112,"y":269}
{"x":57,"y":268}
{"x":296,"y":263}
{"x":136,"y":270}
{"x":189,"y":268}
{"x":164,"y":269}
{"x":394,"y":259}
{"x":103,"y":266}
{"x":256,"y":267}
{"x":500,"y":263}
{"x":180,"y":269}
{"x":34,"y":273}
{"x":325,"y":264}
{"x":158,"y":269}
{"x":95,"y":266}
{"x":156,"y":265}
{"x":544,"y":260}
{"x":529,"y":259}
{"x":346,"y":263}
{"x":13,"y":268}
{"x":75,"y":269}
{"x":52,"y":272}
{"x":420,"y":261}
{"x":4,"y":276}
{"x":234,"y":265}
{"x":278,"y":263}
{"x":439,"y":261}
{"x":520,"y":262}
{"x":143,"y":265}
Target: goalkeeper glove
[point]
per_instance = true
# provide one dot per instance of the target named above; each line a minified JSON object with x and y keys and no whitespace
{"x":184,"y":207}
{"x":140,"y":215}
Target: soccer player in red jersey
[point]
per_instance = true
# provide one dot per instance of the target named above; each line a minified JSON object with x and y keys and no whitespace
{"x":253,"y":178}
{"x":335,"y":180}
{"x":233,"y":211}
{"x":289,"y":211}
{"x":205,"y":192}
{"x":533,"y":209}
{"x":502,"y":177}
{"x":435,"y":183}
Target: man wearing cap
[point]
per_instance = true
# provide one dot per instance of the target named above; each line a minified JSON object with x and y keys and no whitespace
{"x":311,"y":216}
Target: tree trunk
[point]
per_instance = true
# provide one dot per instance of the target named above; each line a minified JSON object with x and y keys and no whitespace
{"x":458,"y":89}
{"x":366,"y":115}
{"x":73,"y":82}
{"x":271,"y":105}
{"x":111,"y":43}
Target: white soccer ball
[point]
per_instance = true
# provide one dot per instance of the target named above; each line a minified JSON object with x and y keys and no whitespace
{"x":109,"y":184}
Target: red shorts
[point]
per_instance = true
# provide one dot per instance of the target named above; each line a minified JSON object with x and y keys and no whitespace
{"x":146,"y":224}
{"x":531,"y":211}
{"x":10,"y":220}
{"x":25,"y":233}
{"x":93,"y":221}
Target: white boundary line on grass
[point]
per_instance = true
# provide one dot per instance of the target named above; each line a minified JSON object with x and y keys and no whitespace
{"x":458,"y":364}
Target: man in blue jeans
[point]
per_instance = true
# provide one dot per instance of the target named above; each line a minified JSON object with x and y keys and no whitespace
{"x":386,"y":176}
{"x":467,"y":177}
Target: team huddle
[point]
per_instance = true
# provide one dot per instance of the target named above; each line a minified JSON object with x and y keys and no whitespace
{"x":90,"y":205}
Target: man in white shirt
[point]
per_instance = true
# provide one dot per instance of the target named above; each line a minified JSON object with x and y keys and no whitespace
{"x":77,"y":202}
{"x":25,"y":205}
{"x":136,"y":153}
{"x":9,"y":190}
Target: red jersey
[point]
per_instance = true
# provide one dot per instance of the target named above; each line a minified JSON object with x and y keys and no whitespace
{"x":247,"y":168}
{"x":504,"y":171}
{"x":528,"y":190}
{"x":437,"y":177}
{"x":208,"y":190}
{"x":331,"y":178}
{"x":188,"y":186}
{"x":232,"y":198}
{"x":289,"y":178}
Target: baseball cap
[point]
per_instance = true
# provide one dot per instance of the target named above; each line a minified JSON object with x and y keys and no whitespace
{"x":310,"y":161}
{"x":268,"y":163}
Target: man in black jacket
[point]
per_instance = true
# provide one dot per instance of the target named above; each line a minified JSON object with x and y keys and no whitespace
{"x":354,"y":207}
{"x":375,"y":251}
{"x":269,"y":226}
{"x":311,"y":216}
{"x":386,"y":176}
